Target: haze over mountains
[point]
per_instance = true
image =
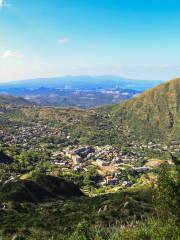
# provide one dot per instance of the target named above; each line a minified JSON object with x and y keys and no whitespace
{"x":77,"y":91}
{"x":83,"y":83}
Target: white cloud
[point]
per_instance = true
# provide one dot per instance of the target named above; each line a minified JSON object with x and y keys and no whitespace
{"x":11,"y":54}
{"x":92,"y":46}
{"x":2,"y":2}
{"x":63,"y":40}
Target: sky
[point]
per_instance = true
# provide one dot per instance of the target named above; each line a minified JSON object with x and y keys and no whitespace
{"x":131,"y":38}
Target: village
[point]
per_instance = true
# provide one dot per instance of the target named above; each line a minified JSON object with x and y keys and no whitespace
{"x":31,"y":136}
{"x":114,"y":166}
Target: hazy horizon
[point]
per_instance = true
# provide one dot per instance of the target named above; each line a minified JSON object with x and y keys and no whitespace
{"x":81,"y":76}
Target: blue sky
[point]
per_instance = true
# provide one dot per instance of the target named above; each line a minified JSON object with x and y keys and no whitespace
{"x":130,"y":38}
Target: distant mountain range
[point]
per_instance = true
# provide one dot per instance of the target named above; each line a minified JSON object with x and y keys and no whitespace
{"x":83,"y":83}
{"x":77,"y":91}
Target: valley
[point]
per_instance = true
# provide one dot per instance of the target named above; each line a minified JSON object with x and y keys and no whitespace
{"x":85,"y":168}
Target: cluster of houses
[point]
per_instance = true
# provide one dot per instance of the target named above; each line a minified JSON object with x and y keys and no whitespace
{"x":111,"y":164}
{"x":30,"y":137}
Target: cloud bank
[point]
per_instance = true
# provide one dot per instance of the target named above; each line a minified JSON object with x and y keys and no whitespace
{"x":11,"y":54}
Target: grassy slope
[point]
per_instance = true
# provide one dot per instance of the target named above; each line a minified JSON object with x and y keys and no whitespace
{"x":154,"y":114}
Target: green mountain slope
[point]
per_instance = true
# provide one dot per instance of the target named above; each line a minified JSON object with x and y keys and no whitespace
{"x":153,"y":115}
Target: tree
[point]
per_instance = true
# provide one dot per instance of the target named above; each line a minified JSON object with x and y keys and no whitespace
{"x":167,"y":193}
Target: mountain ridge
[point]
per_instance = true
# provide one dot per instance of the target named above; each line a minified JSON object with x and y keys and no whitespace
{"x":14,"y":100}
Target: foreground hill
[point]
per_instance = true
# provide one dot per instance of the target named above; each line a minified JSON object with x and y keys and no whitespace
{"x":153,"y":115}
{"x":60,"y":218}
{"x":38,"y":189}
